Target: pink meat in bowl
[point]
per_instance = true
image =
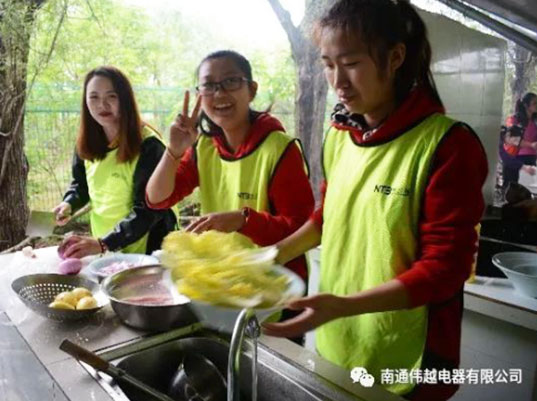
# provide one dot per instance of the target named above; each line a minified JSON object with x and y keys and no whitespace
{"x":143,"y":298}
{"x":115,"y":262}
{"x":116,"y":267}
{"x":154,"y":300}
{"x":148,"y":291}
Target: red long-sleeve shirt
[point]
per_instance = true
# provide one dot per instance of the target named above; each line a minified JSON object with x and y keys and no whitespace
{"x":290,"y":196}
{"x":453,"y":205}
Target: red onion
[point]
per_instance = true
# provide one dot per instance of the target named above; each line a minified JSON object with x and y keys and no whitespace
{"x":70,"y":266}
{"x":64,"y":245}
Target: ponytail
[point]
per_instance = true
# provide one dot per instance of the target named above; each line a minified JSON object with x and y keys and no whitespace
{"x":416,"y":68}
{"x":380,"y":25}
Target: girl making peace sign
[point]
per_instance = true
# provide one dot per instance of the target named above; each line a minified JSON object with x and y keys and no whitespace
{"x":251,"y":175}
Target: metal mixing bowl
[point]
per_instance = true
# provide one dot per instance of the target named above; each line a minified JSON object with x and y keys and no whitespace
{"x":143,"y":298}
{"x":37,"y":291}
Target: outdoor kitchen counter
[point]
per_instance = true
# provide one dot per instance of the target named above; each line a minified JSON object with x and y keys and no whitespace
{"x":499,"y":331}
{"x":61,"y":377}
{"x":497,"y":298}
{"x":43,"y":336}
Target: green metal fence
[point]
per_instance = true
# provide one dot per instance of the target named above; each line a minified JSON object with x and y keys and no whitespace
{"x":50,"y":137}
{"x":51,"y":124}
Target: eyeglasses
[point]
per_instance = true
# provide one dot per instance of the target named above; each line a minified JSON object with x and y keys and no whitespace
{"x":228,"y":84}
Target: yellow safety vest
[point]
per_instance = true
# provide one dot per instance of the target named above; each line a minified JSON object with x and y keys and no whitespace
{"x":227,"y":185}
{"x":111,"y":193}
{"x":370,"y":235}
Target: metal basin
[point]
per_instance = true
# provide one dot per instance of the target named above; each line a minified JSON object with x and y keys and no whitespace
{"x":146,"y":282}
{"x":278,"y":379}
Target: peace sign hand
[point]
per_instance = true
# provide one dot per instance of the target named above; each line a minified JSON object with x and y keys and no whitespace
{"x":183,"y":131}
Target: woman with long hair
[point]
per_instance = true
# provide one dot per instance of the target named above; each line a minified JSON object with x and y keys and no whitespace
{"x":115,"y":155}
{"x":525,"y":118}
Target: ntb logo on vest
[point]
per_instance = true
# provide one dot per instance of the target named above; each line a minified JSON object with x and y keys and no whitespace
{"x":389,"y":190}
{"x":247,"y":196}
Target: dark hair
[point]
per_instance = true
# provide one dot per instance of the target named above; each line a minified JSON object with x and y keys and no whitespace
{"x":92,"y":142}
{"x":206,"y":125}
{"x":381,"y":24}
{"x":521,"y":115}
{"x":515,"y":130}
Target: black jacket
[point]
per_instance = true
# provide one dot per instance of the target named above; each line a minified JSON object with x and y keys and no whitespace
{"x":141,"y":219}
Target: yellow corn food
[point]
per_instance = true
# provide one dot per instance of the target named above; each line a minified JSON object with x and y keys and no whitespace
{"x":222,"y":269}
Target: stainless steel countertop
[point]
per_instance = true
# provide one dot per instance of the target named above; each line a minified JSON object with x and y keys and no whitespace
{"x":23,"y":377}
{"x":104,"y":331}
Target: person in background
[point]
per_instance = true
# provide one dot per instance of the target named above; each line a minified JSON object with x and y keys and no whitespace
{"x":526,"y":116}
{"x":115,"y":155}
{"x":252,"y":176}
{"x":512,"y":139}
{"x":402,"y":200}
{"x":525,"y":158}
{"x":510,"y":142}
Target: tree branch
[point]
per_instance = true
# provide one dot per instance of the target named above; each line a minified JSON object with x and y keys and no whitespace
{"x":51,"y":49}
{"x":293,"y":33}
{"x":95,"y":17}
{"x":38,"y":3}
{"x":15,"y":99}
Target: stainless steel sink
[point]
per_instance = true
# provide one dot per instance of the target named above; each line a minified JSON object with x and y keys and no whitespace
{"x":278,"y":379}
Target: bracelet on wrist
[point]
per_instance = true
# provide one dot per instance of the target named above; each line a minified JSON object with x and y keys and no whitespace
{"x":171,"y":155}
{"x":103,"y":246}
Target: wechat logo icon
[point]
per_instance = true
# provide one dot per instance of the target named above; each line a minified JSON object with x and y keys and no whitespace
{"x":360,"y":375}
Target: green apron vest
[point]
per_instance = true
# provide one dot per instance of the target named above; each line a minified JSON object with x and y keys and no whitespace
{"x":370,"y":233}
{"x":227,"y":185}
{"x":111,"y":187}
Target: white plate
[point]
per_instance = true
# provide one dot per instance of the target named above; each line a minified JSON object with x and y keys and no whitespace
{"x":223,"y":318}
{"x":136,"y":259}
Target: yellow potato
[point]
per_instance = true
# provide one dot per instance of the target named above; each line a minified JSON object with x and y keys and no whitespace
{"x":81,"y":292}
{"x":182,"y":246}
{"x":60,"y":305}
{"x":223,"y":269}
{"x":86,"y":303}
{"x":67,"y":297}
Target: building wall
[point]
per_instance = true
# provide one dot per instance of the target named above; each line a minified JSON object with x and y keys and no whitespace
{"x":469,"y":69}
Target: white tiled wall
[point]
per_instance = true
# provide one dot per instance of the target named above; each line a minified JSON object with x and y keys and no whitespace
{"x":469,"y":69}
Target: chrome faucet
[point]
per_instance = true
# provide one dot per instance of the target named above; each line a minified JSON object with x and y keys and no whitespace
{"x":246,"y":321}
